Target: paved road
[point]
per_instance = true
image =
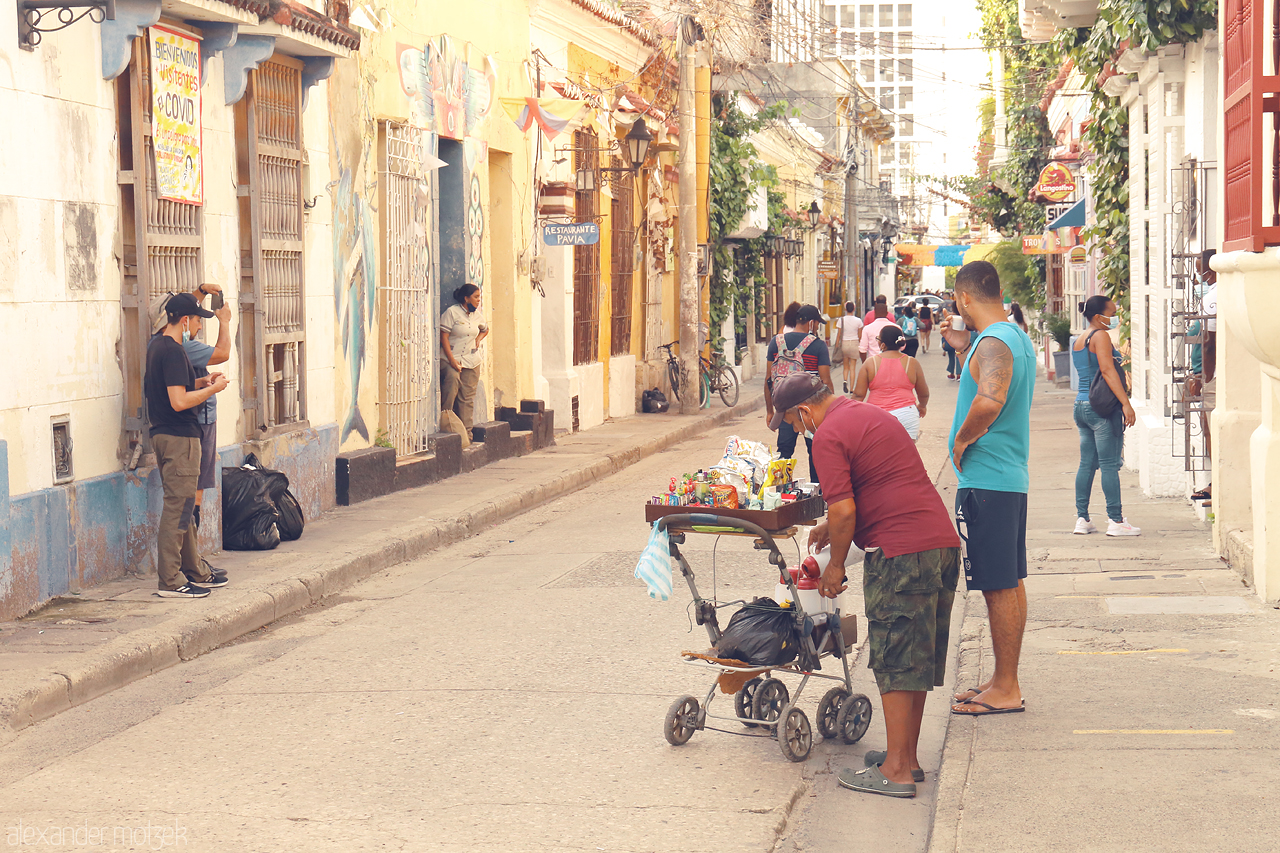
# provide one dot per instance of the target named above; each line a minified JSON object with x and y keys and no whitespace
{"x":506,"y":694}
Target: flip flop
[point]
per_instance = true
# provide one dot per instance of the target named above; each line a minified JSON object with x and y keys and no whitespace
{"x":870,"y":780}
{"x":991,"y":709}
{"x":877,"y":756}
{"x":1202,"y":494}
{"x":976,"y":691}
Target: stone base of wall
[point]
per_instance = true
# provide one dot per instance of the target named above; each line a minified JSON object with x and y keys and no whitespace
{"x":65,"y":538}
{"x":376,"y":471}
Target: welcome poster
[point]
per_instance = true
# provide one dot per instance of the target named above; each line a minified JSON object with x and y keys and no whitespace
{"x":176,"y":130}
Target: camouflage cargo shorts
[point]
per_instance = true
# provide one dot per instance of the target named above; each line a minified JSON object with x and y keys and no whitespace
{"x":908,"y":600}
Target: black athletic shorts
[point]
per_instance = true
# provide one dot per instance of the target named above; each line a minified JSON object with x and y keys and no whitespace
{"x":993,"y":536}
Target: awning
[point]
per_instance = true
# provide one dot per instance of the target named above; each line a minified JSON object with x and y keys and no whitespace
{"x":915,"y":255}
{"x":1072,"y":217}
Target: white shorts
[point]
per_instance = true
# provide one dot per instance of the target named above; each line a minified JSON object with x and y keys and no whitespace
{"x":909,"y":417}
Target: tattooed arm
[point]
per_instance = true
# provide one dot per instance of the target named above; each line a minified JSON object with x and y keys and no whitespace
{"x":992,"y":368}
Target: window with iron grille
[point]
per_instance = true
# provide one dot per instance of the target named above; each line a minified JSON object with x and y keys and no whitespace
{"x":586,"y":260}
{"x":162,"y":240}
{"x":408,"y":403}
{"x":270,"y":160}
{"x":622,"y":256}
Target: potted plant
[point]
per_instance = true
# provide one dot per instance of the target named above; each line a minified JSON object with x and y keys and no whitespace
{"x":1059,"y":328}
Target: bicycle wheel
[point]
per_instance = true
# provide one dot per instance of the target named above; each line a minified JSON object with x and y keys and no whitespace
{"x":704,"y":391}
{"x":727,"y":384}
{"x":673,"y":374}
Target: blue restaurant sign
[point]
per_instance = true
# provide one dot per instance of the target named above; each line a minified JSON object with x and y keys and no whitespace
{"x":571,"y":234}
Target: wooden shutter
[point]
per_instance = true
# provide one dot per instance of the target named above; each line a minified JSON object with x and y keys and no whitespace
{"x":270,"y":159}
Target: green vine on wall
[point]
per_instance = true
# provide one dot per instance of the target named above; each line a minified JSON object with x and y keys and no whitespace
{"x":737,"y":172}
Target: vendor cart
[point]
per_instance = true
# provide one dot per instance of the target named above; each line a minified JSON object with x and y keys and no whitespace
{"x":762,"y":702}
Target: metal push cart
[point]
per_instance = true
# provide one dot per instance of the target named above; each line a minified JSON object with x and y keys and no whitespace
{"x":762,"y":703}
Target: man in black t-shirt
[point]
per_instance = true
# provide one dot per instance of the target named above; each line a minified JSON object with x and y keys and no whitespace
{"x":173,"y":393}
{"x":817,"y":360}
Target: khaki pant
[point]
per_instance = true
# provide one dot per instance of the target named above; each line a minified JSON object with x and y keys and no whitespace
{"x":178,"y":459}
{"x":458,"y":392}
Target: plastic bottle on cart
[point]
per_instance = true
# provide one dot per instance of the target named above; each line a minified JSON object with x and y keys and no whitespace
{"x":806,"y":576}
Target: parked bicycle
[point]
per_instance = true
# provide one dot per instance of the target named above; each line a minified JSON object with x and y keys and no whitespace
{"x":713,"y":375}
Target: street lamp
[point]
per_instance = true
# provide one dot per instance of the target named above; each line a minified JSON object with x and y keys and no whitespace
{"x":814,"y":213}
{"x":778,"y":242}
{"x":638,"y":139}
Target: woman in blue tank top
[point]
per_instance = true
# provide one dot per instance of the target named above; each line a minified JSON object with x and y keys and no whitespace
{"x":1101,"y":439}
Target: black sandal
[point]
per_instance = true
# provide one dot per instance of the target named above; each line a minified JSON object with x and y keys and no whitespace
{"x":1202,"y":494}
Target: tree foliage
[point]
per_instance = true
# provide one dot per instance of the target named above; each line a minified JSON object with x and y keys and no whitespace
{"x":736,"y":173}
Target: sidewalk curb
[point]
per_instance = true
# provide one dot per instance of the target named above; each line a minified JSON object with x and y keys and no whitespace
{"x":957,"y":752}
{"x":141,"y":653}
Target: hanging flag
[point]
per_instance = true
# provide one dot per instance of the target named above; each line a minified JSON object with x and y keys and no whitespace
{"x":553,"y":115}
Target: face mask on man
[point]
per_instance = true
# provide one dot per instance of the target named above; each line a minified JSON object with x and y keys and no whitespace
{"x":186,"y":331}
{"x":808,"y":433}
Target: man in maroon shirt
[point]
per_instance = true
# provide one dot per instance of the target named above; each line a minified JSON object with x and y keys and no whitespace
{"x":880,"y":499}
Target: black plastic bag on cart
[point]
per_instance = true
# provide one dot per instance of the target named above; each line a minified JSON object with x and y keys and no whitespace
{"x":762,"y":634}
{"x":249,"y":516}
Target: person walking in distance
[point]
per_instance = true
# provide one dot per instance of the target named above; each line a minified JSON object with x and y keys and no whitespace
{"x":926,"y":326}
{"x":894,"y":382}
{"x":1101,"y":439}
{"x":801,"y":351}
{"x":869,"y":344}
{"x":173,"y":392}
{"x":881,"y":501}
{"x":848,"y":336}
{"x":990,"y":446}
{"x":910,"y":326}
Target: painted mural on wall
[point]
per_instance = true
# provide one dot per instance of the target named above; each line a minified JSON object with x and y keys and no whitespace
{"x":353,"y":130}
{"x":452,"y":95}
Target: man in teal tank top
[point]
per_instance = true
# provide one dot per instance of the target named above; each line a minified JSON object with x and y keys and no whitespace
{"x":990,"y":444}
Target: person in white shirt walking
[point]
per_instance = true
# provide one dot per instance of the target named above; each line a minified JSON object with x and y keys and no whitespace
{"x":845,"y":350}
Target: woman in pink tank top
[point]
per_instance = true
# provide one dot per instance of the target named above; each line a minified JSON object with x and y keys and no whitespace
{"x":894,"y":382}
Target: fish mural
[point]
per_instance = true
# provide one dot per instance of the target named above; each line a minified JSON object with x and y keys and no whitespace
{"x":355,"y":287}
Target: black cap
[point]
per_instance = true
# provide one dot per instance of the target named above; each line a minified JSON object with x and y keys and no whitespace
{"x":791,"y":391}
{"x":809,"y":313}
{"x":184,"y":305}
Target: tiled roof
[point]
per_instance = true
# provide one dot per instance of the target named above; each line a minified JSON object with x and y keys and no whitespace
{"x":613,"y":15}
{"x":307,"y":20}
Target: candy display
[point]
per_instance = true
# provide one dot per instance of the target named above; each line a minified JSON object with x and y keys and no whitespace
{"x":748,"y":476}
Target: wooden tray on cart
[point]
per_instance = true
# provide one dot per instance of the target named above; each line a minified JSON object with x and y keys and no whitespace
{"x":788,"y":515}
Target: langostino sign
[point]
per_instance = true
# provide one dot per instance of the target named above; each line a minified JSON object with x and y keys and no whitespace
{"x":1056,"y":182}
{"x":176,"y":129}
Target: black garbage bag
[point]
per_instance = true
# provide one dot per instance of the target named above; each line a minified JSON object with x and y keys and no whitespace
{"x":653,"y":401}
{"x":291,"y":520}
{"x":249,"y":515}
{"x":761,"y":633}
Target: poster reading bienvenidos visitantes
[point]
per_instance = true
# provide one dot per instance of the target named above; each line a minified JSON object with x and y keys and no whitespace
{"x":176,"y":129}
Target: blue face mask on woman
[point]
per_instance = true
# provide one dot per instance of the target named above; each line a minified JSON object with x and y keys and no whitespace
{"x":1113,"y":322}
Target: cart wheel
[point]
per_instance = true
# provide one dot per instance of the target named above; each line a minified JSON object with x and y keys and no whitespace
{"x":829,"y":712}
{"x":854,"y":718}
{"x":795,"y":737}
{"x":682,"y":721}
{"x":767,"y":704}
{"x":742,"y":701}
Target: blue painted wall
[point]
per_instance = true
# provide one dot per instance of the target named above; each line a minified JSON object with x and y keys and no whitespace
{"x":69,"y":537}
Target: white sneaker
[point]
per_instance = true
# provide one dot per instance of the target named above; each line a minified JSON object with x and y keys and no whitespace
{"x":1122,"y":528}
{"x":1084,"y":526}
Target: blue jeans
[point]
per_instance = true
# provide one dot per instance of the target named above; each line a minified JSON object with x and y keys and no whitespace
{"x":1101,"y":447}
{"x":787,"y":447}
{"x":952,"y":362}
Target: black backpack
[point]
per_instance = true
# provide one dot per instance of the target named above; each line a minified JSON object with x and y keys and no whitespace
{"x":654,"y":402}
